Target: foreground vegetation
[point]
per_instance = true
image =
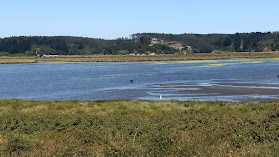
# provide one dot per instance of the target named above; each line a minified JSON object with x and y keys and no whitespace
{"x":138,"y":128}
{"x":121,"y":58}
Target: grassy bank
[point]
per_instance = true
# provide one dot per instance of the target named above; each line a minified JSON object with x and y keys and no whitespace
{"x":17,"y":60}
{"x":119,"y":58}
{"x":138,"y":128}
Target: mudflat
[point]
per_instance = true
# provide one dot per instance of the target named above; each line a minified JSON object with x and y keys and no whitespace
{"x":269,"y":91}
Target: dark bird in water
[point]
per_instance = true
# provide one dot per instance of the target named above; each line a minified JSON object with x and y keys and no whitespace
{"x":131,"y":81}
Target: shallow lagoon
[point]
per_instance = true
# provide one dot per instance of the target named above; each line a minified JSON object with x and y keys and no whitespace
{"x":206,"y":80}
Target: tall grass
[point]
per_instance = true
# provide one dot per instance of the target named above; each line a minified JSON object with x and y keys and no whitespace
{"x":138,"y":128}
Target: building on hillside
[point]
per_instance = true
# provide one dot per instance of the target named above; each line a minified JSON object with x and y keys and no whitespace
{"x":44,"y":55}
{"x":154,"y":41}
{"x":151,"y":53}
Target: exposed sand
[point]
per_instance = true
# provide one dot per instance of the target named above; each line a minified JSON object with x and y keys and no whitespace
{"x":229,"y":89}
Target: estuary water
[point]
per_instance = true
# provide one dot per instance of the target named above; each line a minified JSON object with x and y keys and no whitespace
{"x":208,"y":80}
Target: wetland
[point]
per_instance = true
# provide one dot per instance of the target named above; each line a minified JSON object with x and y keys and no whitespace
{"x":234,"y":80}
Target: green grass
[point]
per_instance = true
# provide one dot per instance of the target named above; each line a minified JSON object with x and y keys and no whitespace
{"x":138,"y":128}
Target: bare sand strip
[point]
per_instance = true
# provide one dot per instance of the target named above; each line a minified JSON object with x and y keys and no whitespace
{"x":228,"y":89}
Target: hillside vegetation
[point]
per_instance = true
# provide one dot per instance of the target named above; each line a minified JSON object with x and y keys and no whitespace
{"x":239,"y":42}
{"x":140,"y":44}
{"x":138,"y":128}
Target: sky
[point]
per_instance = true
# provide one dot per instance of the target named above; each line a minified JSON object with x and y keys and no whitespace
{"x":110,"y":19}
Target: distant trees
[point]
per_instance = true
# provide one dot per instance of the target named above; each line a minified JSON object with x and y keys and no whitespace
{"x":227,"y":42}
{"x":139,"y":43}
{"x":14,"y":45}
{"x":59,"y":45}
{"x":204,"y":43}
{"x":203,"y":47}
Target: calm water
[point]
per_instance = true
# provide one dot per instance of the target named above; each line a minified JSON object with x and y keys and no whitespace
{"x":111,"y":81}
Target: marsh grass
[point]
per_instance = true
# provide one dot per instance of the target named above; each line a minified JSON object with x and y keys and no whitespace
{"x":138,"y":128}
{"x":118,"y":58}
{"x":17,"y":60}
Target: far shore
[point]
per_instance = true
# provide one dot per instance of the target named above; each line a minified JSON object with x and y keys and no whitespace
{"x":122,"y":58}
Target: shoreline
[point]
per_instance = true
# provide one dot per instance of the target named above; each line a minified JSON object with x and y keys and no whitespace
{"x":243,"y":92}
{"x":119,"y":58}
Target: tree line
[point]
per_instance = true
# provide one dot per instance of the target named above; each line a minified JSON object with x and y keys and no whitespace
{"x":139,"y":44}
{"x":206,"y":43}
{"x":66,"y":45}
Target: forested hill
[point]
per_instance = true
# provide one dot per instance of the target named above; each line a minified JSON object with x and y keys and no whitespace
{"x":141,"y":43}
{"x":239,"y":42}
{"x":75,"y":46}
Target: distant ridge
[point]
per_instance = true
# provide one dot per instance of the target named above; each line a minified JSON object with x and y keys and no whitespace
{"x":140,"y":43}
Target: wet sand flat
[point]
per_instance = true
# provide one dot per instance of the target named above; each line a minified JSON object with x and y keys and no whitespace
{"x":250,"y":84}
{"x":227,"y":89}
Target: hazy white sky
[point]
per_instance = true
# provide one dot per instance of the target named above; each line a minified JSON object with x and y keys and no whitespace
{"x":110,"y":19}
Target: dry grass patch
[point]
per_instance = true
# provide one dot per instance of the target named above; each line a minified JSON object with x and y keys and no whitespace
{"x":17,"y":60}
